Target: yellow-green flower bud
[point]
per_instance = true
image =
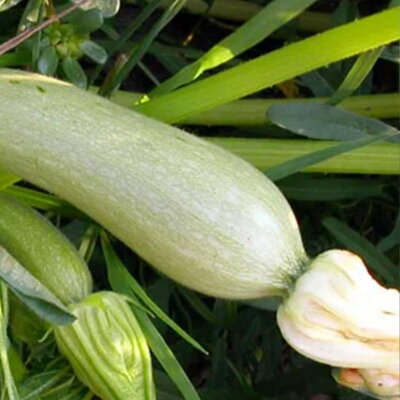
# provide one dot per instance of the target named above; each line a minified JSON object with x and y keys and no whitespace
{"x":107,"y":348}
{"x":339,"y":315}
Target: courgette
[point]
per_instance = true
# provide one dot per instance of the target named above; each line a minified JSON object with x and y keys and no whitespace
{"x":199,"y":214}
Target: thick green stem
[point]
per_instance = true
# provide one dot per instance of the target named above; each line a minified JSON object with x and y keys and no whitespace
{"x":253,"y":112}
{"x":382,"y":158}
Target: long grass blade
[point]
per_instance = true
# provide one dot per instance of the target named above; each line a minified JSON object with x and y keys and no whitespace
{"x":127,"y":34}
{"x":298,"y":164}
{"x":292,"y":60}
{"x":7,"y":179}
{"x":119,"y":272}
{"x":265,"y":22}
{"x":358,"y":72}
{"x":376,"y":260}
{"x":138,"y":52}
{"x":157,"y":344}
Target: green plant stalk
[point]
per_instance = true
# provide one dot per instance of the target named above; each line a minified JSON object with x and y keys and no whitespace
{"x":278,"y":66}
{"x":381,"y":158}
{"x":239,"y":10}
{"x":253,"y":112}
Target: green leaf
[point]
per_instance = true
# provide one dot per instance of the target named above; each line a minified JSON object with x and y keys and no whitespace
{"x":7,"y":179}
{"x":266,"y":21}
{"x":298,"y":164}
{"x":317,"y":83}
{"x":48,"y":61}
{"x":94,"y":51}
{"x":32,"y":292}
{"x":308,"y":188}
{"x":286,"y":63}
{"x":356,"y":242}
{"x":322,"y":121}
{"x":87,"y":21}
{"x":74,"y":72}
{"x":118,"y":271}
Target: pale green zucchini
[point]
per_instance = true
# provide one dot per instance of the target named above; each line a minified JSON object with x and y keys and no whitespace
{"x":197,"y":213}
{"x":43,"y":251}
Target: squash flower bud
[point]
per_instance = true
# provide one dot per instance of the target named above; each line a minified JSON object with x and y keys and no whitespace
{"x":339,"y":315}
{"x":107,"y":348}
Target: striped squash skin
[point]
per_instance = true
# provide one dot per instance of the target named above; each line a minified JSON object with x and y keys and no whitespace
{"x":199,"y":214}
{"x":43,"y":250}
{"x":107,"y":348}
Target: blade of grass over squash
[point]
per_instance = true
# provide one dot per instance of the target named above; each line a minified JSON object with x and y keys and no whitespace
{"x":267,"y":20}
{"x":322,"y":121}
{"x":156,"y":342}
{"x":167,"y":358}
{"x":298,"y":164}
{"x":44,"y":201}
{"x":354,"y":241}
{"x":138,"y":52}
{"x":275,"y":67}
{"x":380,"y":158}
{"x":355,"y":77}
{"x":119,"y":272}
{"x":32,"y":292}
{"x":7,"y":179}
{"x":253,"y":112}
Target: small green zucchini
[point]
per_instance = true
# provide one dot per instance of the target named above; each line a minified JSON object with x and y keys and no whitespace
{"x":43,"y":251}
{"x":107,"y":348}
{"x":199,"y":214}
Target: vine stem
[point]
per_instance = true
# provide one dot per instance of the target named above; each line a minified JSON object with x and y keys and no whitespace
{"x":16,"y":40}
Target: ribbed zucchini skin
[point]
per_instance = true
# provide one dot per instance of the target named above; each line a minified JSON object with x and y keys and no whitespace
{"x":197,"y":213}
{"x":43,"y":251}
{"x":107,"y":348}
